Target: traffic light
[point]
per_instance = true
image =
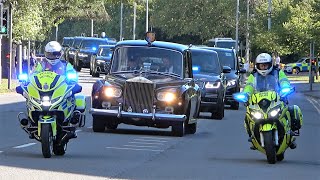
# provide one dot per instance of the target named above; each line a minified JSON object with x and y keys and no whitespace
{"x":4,"y":19}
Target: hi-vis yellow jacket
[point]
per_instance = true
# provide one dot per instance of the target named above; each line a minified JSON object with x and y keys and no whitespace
{"x":277,"y":73}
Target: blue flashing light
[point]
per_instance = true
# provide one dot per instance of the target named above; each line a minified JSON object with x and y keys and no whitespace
{"x":240,"y":97}
{"x":72,"y":76}
{"x":285,"y":90}
{"x":195,"y":68}
{"x":94,"y":48}
{"x":23,"y":77}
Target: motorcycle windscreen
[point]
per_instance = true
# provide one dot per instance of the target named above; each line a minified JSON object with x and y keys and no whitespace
{"x":266,"y":83}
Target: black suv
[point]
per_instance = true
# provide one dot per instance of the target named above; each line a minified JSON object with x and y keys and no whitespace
{"x":139,"y":91}
{"x":66,"y":43}
{"x":70,"y":53}
{"x":228,"y":57}
{"x":209,"y":75}
{"x":101,"y":60}
{"x":87,"y":48}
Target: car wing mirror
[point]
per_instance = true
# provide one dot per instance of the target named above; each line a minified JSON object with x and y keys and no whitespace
{"x":226,"y":69}
{"x":242,"y":71}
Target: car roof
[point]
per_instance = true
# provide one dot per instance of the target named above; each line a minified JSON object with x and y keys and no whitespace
{"x":218,"y":49}
{"x":161,"y":44}
{"x":197,"y":49}
{"x":106,"y":46}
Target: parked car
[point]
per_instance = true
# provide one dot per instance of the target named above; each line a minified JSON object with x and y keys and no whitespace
{"x":87,"y":48}
{"x":302,"y":65}
{"x":138,"y":91}
{"x":228,"y":57}
{"x":209,"y":75}
{"x":101,"y":60}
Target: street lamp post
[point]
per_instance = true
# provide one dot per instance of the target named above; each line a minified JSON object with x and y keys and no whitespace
{"x":269,"y":14}
{"x":147,"y":16}
{"x":237,"y":26}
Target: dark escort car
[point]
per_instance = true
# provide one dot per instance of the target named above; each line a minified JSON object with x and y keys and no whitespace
{"x":70,"y":52}
{"x":101,"y":60}
{"x":87,"y":48}
{"x":209,"y":75}
{"x":228,"y":57}
{"x":139,"y":91}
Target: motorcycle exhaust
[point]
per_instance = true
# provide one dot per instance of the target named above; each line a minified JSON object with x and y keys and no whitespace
{"x":24,"y":122}
{"x":78,"y":118}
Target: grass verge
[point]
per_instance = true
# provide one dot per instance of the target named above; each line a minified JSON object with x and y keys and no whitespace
{"x":4,"y":86}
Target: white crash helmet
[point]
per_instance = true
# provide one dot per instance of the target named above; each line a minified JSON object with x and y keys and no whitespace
{"x":52,"y":52}
{"x":264,"y":58}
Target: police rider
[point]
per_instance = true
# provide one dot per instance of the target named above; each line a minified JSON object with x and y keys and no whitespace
{"x":52,"y":61}
{"x":265,"y":71}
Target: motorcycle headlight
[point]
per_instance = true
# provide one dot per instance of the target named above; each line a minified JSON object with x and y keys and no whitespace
{"x":274,"y":112}
{"x":257,"y":114}
{"x":166,"y":96}
{"x":231,"y":82}
{"x":112,"y":92}
{"x":212,"y":85}
{"x":46,"y":101}
{"x":72,"y":52}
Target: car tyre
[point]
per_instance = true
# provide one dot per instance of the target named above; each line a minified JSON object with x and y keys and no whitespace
{"x":219,"y":113}
{"x":178,"y":129}
{"x":191,"y":128}
{"x":297,"y":70}
{"x":112,"y":124}
{"x":235,"y":106}
{"x":98,"y":124}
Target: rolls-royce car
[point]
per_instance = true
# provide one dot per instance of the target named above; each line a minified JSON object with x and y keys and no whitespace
{"x":209,"y":75}
{"x":150,"y":83}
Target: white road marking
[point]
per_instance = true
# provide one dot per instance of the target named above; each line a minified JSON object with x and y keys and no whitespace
{"x":150,"y":140}
{"x":24,"y":145}
{"x":315,"y":104}
{"x":134,"y":149}
{"x":147,"y":137}
{"x":141,"y":146}
{"x":90,"y":127}
{"x":1,"y":151}
{"x":78,"y":130}
{"x":146,"y":143}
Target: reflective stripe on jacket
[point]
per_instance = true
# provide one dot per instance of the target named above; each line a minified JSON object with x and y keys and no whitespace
{"x":250,"y":84}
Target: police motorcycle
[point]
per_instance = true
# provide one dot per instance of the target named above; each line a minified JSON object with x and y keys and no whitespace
{"x":272,"y":122}
{"x":54,"y":109}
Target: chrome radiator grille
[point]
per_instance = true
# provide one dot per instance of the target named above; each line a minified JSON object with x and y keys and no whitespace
{"x":138,"y":97}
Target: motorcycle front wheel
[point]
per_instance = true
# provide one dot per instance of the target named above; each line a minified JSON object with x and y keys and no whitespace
{"x":269,"y":147}
{"x":46,"y":140}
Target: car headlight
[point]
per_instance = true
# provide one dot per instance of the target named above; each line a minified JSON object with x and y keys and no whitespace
{"x":72,"y":52}
{"x":274,"y":112}
{"x":100,"y":61}
{"x":46,"y":101}
{"x":231,"y":82}
{"x":257,"y":114}
{"x":112,"y":92}
{"x":83,"y":55}
{"x":212,"y":85}
{"x":166,"y":96}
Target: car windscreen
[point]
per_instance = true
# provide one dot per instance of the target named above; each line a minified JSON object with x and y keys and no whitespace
{"x":205,"y":62}
{"x":76,"y":42}
{"x":226,"y":44}
{"x":92,"y":44}
{"x":130,"y":58}
{"x":105,"y":51}
{"x":227,"y":59}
